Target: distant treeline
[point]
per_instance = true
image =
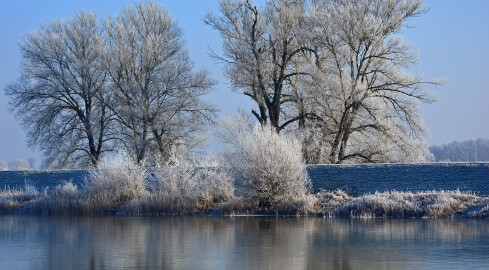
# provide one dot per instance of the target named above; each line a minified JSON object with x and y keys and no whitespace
{"x":470,"y":150}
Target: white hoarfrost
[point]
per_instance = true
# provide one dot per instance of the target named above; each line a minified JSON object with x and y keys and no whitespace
{"x":334,"y":72}
{"x":408,"y":204}
{"x":156,"y":92}
{"x":115,"y":182}
{"x":269,"y":167}
{"x":186,"y":186}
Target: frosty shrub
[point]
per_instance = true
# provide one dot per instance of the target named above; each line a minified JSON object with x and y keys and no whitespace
{"x":231,"y":129}
{"x":330,"y":200}
{"x":186,"y":186}
{"x":269,"y":167}
{"x":115,"y":182}
{"x":216,"y":181}
{"x":66,"y":190}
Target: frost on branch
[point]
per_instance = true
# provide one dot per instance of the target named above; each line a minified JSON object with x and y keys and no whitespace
{"x":61,"y":93}
{"x":335,"y":73}
{"x":157,"y":94}
{"x":269,"y":167}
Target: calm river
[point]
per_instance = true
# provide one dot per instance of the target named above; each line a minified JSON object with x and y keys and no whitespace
{"x":58,"y":242}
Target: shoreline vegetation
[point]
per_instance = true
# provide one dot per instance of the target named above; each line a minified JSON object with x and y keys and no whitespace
{"x":66,"y":199}
{"x":262,"y":174}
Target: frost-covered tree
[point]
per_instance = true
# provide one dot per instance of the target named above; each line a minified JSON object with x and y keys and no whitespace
{"x":60,"y":94}
{"x":366,"y":101}
{"x":334,"y":70}
{"x":3,"y":165}
{"x":470,"y":150}
{"x":156,"y":92}
{"x":262,"y":47}
{"x":19,"y":165}
{"x":230,"y":129}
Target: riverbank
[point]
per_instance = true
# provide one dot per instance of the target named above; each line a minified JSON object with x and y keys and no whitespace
{"x":67,"y":200}
{"x":250,"y":186}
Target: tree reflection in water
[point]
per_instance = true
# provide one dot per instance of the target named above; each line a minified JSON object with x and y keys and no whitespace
{"x":92,"y":242}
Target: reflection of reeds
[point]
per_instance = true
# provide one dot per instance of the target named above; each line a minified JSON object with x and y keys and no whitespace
{"x":240,"y":242}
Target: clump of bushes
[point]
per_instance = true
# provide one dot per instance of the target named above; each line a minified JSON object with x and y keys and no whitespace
{"x":270,"y":171}
{"x":186,"y":187}
{"x":263,"y":173}
{"x":115,"y":183}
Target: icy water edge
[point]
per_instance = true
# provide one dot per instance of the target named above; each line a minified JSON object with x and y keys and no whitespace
{"x":98,"y":242}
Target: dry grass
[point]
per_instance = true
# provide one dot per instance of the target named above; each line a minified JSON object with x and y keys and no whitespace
{"x":481,"y":210}
{"x":329,"y":201}
{"x":432,"y":204}
{"x":305,"y":205}
{"x":483,"y":213}
{"x":12,"y":198}
{"x":64,"y":199}
{"x":206,"y":199}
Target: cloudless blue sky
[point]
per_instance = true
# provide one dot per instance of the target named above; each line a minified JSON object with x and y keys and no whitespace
{"x":452,"y":40}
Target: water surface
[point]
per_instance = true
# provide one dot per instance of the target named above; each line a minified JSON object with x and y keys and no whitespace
{"x":354,"y":179}
{"x":93,"y":242}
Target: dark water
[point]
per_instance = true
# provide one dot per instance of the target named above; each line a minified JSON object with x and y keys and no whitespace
{"x":360,"y":179}
{"x":354,"y":179}
{"x":50,"y":242}
{"x":41,"y":179}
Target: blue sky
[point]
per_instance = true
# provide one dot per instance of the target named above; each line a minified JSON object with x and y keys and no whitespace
{"x":452,"y":40}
